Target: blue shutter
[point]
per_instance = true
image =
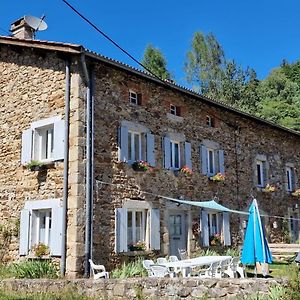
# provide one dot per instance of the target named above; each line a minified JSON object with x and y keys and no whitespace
{"x":24,"y":232}
{"x":204,"y":228}
{"x":226,"y":229}
{"x":26,"y":154}
{"x":150,"y":149}
{"x":167,"y":153}
{"x":188,"y":155}
{"x":221,"y":162}
{"x":56,"y":231}
{"x":123,"y":144}
{"x":203,"y":153}
{"x":121,"y":244}
{"x":154,"y":229}
{"x":59,"y":137}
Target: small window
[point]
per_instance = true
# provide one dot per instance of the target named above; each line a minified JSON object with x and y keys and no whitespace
{"x":290,"y":186}
{"x":175,"y":154}
{"x":41,"y":227}
{"x":43,"y":143}
{"x":260,"y":173}
{"x":209,"y":121}
{"x":136,"y":226}
{"x":133,"y":97}
{"x":134,"y":146}
{"x":213,"y":224}
{"x":174,"y":110}
{"x":211,"y":163}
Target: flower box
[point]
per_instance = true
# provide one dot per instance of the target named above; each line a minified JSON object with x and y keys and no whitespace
{"x":269,"y":188}
{"x":141,"y":166}
{"x":138,"y":246}
{"x":219,"y":177}
{"x":186,"y":171}
{"x":296,"y":193}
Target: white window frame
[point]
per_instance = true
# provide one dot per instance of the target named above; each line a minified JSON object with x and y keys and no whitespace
{"x":210,"y":227}
{"x":289,"y":179}
{"x":132,"y":146}
{"x":260,"y":173}
{"x":35,"y":226}
{"x":209,"y":121}
{"x":209,"y":161}
{"x":133,"y":97}
{"x":134,"y":228}
{"x":43,"y":143}
{"x":173,"y":110}
{"x":172,"y":155}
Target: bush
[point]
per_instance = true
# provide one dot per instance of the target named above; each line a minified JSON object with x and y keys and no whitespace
{"x":293,"y":288}
{"x":35,"y":269}
{"x":131,"y":269}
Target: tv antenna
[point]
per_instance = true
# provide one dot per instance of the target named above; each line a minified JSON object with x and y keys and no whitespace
{"x":37,"y":24}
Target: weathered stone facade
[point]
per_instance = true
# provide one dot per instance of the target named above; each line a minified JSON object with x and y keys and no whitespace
{"x":32,"y":87}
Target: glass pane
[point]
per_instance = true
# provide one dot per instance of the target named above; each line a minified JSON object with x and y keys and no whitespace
{"x":129,"y":146}
{"x":176,"y":146}
{"x":137,"y":146}
{"x":211,"y":161}
{"x":259,"y":179}
{"x":129,"y":227}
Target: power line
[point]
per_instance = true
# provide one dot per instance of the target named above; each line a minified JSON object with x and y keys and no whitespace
{"x":111,"y":40}
{"x":4,"y":31}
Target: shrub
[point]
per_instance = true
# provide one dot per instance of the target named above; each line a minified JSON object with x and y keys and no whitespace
{"x":35,"y":269}
{"x":131,"y":269}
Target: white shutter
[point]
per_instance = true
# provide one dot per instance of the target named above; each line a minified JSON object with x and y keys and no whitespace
{"x":123,"y":144}
{"x":59,"y":137}
{"x":204,"y":228}
{"x":203,"y":153}
{"x":56,"y":231}
{"x":150,"y":149}
{"x":221,"y":162}
{"x":154,"y":229}
{"x":188,"y":155}
{"x":24,"y":232}
{"x":26,"y":154}
{"x":167,"y":153}
{"x":226,"y":229}
{"x":121,"y":244}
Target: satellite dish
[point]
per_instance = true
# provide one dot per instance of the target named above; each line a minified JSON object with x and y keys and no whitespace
{"x":36,"y":23}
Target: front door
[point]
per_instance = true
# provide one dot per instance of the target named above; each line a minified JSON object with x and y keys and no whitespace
{"x":177,"y":232}
{"x":294,"y":227}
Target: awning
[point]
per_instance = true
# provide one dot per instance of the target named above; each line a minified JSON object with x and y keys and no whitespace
{"x":211,"y":204}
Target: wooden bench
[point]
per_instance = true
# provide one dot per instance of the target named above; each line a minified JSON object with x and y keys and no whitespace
{"x":284,"y":251}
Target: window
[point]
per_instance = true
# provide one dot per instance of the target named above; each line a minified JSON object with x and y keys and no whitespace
{"x":136,"y":226}
{"x":213,"y":224}
{"x":175,"y":224}
{"x":41,"y":222}
{"x":209,"y":121}
{"x":260,"y":173}
{"x":135,"y":143}
{"x":290,"y":175}
{"x":136,"y":222}
{"x":43,"y":141}
{"x":134,"y":146}
{"x":212,"y":159}
{"x":175,"y":154}
{"x":133,"y":97}
{"x":174,"y":110}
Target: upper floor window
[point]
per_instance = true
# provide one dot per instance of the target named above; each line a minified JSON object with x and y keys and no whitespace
{"x":43,"y":141}
{"x":136,"y":143}
{"x":290,"y":178}
{"x":177,"y":152}
{"x":212,"y":159}
{"x":261,"y":173}
{"x":209,"y":121}
{"x":174,"y":110}
{"x":135,"y":98}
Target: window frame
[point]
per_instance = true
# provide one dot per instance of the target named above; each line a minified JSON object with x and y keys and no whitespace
{"x":43,"y":143}
{"x":133,"y":228}
{"x":175,"y":110}
{"x":210,"y":219}
{"x":133,"y":97}
{"x":209,"y":121}
{"x":260,"y":174}
{"x":132,"y":148}
{"x":209,"y":160}
{"x":173,"y":166}
{"x":290,"y":173}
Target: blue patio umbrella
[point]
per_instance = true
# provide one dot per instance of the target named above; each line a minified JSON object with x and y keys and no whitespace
{"x":255,"y":248}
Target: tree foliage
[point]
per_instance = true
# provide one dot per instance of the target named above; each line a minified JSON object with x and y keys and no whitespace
{"x":155,"y":61}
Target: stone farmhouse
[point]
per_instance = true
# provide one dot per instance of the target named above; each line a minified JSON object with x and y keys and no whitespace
{"x":89,"y":120}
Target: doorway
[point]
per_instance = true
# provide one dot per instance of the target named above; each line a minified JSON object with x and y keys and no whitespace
{"x":177,"y":232}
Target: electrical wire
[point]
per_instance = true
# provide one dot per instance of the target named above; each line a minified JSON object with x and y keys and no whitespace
{"x":4,"y":31}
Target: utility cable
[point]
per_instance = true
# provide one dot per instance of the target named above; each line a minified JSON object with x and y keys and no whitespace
{"x":4,"y":31}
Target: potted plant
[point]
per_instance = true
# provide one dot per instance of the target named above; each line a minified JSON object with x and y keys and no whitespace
{"x":40,"y":250}
{"x":186,"y":170}
{"x":215,"y":240}
{"x":138,"y":246}
{"x":141,"y":165}
{"x":219,"y":177}
{"x":296,"y":193}
{"x":269,"y":188}
{"x":35,"y":165}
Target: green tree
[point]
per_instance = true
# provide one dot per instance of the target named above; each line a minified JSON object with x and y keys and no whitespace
{"x":155,"y":61}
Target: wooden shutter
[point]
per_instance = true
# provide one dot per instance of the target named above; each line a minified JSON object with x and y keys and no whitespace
{"x":121,"y":244}
{"x":204,"y":228}
{"x":150,"y":149}
{"x":56,"y":231}
{"x":26,"y":154}
{"x":123,"y":144}
{"x":139,"y":99}
{"x":188,"y":155}
{"x":59,"y":137}
{"x":154,"y":229}
{"x":24,"y":232}
{"x":226,"y":229}
{"x":203,"y":154}
{"x":221,"y":161}
{"x":167,"y":153}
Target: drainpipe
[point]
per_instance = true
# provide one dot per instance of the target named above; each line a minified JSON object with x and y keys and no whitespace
{"x":89,"y":166}
{"x":66,"y":172}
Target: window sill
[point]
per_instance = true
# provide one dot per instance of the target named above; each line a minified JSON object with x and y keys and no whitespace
{"x":174,"y":118}
{"x":136,"y":253}
{"x":43,"y":257}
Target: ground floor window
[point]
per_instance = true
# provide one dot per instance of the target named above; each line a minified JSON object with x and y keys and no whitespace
{"x":41,"y":227}
{"x":136,"y":226}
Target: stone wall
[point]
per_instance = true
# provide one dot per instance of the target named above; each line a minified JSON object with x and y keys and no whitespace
{"x":149,"y":288}
{"x":241,"y":138}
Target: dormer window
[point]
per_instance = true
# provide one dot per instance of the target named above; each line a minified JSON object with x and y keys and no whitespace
{"x":209,"y":121}
{"x":174,"y":110}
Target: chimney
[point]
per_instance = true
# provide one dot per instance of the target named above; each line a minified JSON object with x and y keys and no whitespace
{"x":21,"y":30}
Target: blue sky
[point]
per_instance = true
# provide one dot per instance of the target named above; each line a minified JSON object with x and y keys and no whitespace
{"x":256,"y":33}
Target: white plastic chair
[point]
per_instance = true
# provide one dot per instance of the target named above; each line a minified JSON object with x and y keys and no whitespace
{"x":211,"y":271}
{"x":146,"y":264}
{"x":161,"y":260}
{"x":98,"y":270}
{"x":182,"y":254}
{"x":234,"y":268}
{"x":160,"y":271}
{"x":174,"y":258}
{"x":224,"y":267}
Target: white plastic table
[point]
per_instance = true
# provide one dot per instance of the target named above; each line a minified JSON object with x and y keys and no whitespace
{"x":187,"y":264}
